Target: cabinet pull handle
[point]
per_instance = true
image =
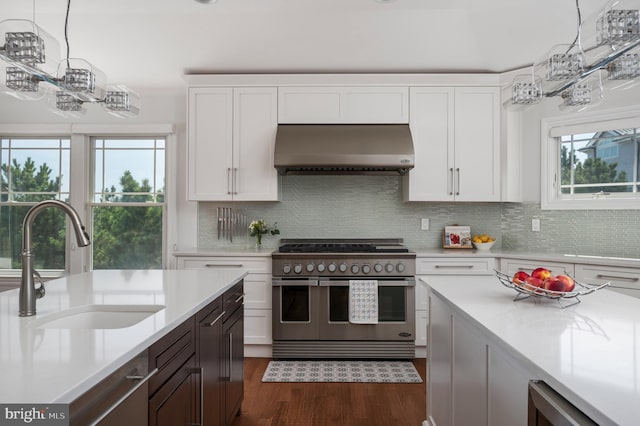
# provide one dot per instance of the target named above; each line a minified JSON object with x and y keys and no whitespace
{"x":451,"y":181}
{"x":223,"y":265}
{"x":458,"y":181}
{"x":235,"y":178}
{"x":615,"y":277}
{"x":228,"y":180}
{"x":454,"y":266}
{"x":212,"y":323}
{"x":239,"y":299}
{"x":230,"y":355}
{"x":142,"y":381}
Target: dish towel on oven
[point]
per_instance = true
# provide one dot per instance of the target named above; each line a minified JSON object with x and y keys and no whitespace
{"x":363,"y":301}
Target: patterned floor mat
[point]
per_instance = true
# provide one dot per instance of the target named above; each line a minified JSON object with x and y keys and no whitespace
{"x":342,"y":371}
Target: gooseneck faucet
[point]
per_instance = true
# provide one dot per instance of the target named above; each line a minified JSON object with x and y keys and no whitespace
{"x":28,"y":291}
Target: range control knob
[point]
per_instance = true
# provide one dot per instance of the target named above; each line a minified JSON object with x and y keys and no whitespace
{"x":331,"y":267}
{"x":286,"y":269}
{"x":389,"y":267}
{"x":377,"y":267}
{"x":342,"y":267}
{"x":366,"y":269}
{"x":297,"y":268}
{"x":400,"y":267}
{"x":355,"y":269}
{"x":310,"y":267}
{"x":320,"y":267}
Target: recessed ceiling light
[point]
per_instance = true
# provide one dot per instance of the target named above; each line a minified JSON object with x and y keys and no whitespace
{"x":385,"y":1}
{"x":206,"y":1}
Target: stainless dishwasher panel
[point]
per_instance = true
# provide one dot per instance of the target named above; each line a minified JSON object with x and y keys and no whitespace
{"x":548,"y":408}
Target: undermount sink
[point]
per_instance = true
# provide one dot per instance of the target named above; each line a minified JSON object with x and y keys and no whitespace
{"x":98,"y":317}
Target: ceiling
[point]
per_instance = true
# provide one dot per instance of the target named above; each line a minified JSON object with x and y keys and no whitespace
{"x":150,"y":44}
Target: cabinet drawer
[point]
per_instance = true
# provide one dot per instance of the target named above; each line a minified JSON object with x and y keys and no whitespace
{"x":455,"y":266}
{"x":252,"y":264}
{"x":171,"y":352}
{"x":511,"y":266}
{"x":623,"y":280}
{"x":233,"y":299}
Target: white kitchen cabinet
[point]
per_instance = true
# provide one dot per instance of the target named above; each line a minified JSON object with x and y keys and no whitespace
{"x":511,"y":266}
{"x":507,"y":387}
{"x":622,"y":280}
{"x":343,"y":105}
{"x":455,"y":265}
{"x":469,"y":375}
{"x":257,"y":295}
{"x":456,"y":135}
{"x":470,"y":379}
{"x":439,"y":364}
{"x":231,"y":140}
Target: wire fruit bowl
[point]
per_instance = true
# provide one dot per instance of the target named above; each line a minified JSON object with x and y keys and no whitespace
{"x":526,"y":290}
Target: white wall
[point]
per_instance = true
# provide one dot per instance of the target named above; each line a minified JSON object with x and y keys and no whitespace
{"x":531,"y":138}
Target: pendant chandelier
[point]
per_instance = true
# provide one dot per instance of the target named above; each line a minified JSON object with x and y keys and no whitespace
{"x":579,"y":76}
{"x":35,"y":71}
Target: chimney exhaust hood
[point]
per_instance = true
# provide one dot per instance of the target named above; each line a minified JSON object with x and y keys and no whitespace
{"x":380,"y":149}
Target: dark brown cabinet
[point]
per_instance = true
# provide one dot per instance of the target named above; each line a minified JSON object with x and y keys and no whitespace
{"x":210,"y":352}
{"x":233,"y":363}
{"x":174,"y":392}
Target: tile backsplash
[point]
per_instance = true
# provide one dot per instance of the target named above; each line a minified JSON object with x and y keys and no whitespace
{"x":372,"y":207}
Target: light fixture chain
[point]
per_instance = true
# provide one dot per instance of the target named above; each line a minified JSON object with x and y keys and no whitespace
{"x":66,"y":34}
{"x":578,"y":38}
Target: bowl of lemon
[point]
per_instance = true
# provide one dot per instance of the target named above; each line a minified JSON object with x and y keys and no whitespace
{"x":483,"y":242}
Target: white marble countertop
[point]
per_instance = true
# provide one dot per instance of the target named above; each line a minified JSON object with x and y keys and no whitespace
{"x":57,"y":365}
{"x":589,"y":352}
{"x":436,"y":252}
{"x":230,"y":251}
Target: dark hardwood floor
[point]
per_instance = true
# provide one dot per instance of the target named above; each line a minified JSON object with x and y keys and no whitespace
{"x":330,"y":404}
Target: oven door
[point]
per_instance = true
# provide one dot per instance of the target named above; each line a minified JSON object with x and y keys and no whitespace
{"x":295,"y":309}
{"x":396,"y":312}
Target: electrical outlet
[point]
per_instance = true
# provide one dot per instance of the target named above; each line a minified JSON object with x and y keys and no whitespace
{"x":424,"y":224}
{"x":535,"y":225}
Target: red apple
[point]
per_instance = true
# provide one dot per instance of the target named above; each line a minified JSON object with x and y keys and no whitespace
{"x":533,"y":283}
{"x":541,"y":273}
{"x":567,"y":281}
{"x":520,"y":277}
{"x":554,"y":284}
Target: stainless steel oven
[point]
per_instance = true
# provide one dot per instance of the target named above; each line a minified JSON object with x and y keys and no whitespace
{"x":311,"y":317}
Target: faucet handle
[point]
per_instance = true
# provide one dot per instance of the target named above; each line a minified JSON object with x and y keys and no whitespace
{"x":40,"y":291}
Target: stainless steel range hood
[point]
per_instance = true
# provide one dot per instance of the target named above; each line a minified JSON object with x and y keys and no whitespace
{"x":344,"y":149}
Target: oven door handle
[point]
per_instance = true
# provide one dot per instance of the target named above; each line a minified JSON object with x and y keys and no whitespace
{"x":288,"y":283}
{"x":381,"y":283}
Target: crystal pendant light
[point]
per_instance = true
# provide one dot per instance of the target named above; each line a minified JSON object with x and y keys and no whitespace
{"x":121,"y":102}
{"x":584,"y":94}
{"x":31,"y":55}
{"x":65,"y":104}
{"x":526,"y":91}
{"x":82,"y":80}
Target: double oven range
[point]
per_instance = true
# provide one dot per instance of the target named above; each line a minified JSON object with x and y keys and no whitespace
{"x":311,"y":281}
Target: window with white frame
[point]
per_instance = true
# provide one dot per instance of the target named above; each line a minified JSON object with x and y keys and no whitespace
{"x":128,"y":203}
{"x":592,"y":162}
{"x":33,"y":170}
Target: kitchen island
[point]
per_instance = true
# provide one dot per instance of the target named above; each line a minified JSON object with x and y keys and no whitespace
{"x":42,"y":364}
{"x":484,"y":347}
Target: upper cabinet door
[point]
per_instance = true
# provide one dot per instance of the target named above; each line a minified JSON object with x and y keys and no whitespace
{"x":254,"y":135}
{"x":231,"y":142}
{"x":210,"y":150}
{"x":343,"y":105}
{"x":432,"y":129}
{"x":477,"y":146}
{"x":456,"y":136}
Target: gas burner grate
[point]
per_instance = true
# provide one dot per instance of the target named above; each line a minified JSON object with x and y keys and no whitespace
{"x":340,"y":248}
